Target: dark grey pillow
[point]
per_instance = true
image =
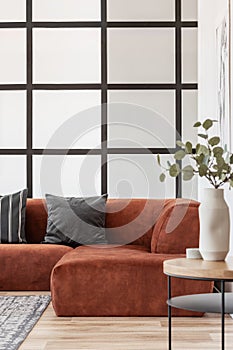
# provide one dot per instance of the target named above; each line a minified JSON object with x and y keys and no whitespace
{"x":75,"y":221}
{"x":12,"y":217}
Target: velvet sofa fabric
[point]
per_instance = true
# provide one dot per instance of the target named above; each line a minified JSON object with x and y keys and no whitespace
{"x":121,"y":214}
{"x":28,"y":266}
{"x":132,"y":221}
{"x":117,"y":281}
{"x":177,"y":227}
{"x":36,"y":220}
{"x":137,"y":221}
{"x":108,"y":280}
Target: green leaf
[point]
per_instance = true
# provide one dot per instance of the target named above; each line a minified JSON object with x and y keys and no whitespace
{"x":203,"y":170}
{"x":204,"y":150}
{"x":231,"y":183}
{"x":187,"y":176}
{"x":218,"y":151}
{"x":223,"y":177}
{"x":200,"y":159}
{"x":218,"y":173}
{"x":188,"y":147}
{"x":188,"y":168}
{"x":180,"y":143}
{"x":207,"y":124}
{"x":203,"y":136}
{"x":174,"y":170}
{"x":220,"y":161}
{"x":158,"y":159}
{"x":197,"y":124}
{"x":226,"y":167}
{"x":231,"y":159}
{"x":188,"y":173}
{"x":214,"y":141}
{"x":162,"y":177}
{"x":180,"y":155}
{"x":197,"y":148}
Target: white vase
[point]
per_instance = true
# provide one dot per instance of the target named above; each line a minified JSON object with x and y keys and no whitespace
{"x":214,"y":225}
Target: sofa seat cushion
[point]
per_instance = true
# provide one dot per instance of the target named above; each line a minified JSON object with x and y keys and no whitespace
{"x":116,"y":281}
{"x":28,"y":266}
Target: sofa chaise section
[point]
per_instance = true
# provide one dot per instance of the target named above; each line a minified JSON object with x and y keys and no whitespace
{"x":117,"y":281}
{"x":127,"y":279}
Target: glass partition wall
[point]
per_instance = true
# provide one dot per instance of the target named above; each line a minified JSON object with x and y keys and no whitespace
{"x":59,"y":58}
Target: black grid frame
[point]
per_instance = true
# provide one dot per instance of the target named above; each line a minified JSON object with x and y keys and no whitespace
{"x":104,"y":87}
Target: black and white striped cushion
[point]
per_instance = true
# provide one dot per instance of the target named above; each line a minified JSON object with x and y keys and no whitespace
{"x":12,"y":217}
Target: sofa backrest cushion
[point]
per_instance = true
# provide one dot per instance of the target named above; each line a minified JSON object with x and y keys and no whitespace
{"x":127,"y":220}
{"x":177,"y":227}
{"x":36,"y":220}
{"x":164,"y":226}
{"x":132,"y":220}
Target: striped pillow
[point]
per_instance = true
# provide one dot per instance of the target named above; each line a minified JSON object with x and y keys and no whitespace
{"x":12,"y":217}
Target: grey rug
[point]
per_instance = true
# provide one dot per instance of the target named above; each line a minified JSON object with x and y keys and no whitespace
{"x":18,"y":315}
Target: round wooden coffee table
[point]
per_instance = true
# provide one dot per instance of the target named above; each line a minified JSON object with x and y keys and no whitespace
{"x":198,"y":269}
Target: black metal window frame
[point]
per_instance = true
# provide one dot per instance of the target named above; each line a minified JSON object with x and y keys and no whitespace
{"x":104,"y":87}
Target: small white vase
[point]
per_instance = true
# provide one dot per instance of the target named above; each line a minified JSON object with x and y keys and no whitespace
{"x":214,"y":225}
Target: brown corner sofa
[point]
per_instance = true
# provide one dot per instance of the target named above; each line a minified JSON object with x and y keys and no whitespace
{"x":119,"y":279}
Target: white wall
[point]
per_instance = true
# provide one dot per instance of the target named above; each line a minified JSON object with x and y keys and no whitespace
{"x":210,"y":12}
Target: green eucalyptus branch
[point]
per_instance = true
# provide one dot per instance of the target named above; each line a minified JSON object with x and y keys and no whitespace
{"x":210,"y":160}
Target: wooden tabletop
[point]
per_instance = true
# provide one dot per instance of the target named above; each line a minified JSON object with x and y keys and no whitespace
{"x":199,"y":268}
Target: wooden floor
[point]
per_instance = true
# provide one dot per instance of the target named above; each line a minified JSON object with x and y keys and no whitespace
{"x":124,"y":333}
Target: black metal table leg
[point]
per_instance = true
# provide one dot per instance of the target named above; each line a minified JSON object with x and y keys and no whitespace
{"x":223,"y":313}
{"x":169,"y":316}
